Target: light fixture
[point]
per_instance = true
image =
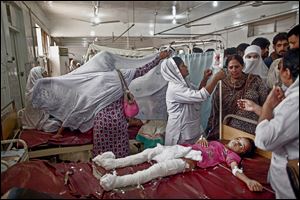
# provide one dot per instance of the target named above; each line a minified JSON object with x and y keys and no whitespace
{"x":174,"y":14}
{"x":215,"y":3}
{"x":174,"y":21}
{"x":96,"y":8}
{"x":96,"y":20}
{"x":174,"y":11}
{"x":92,"y":33}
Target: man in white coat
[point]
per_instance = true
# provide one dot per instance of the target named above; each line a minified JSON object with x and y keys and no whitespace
{"x":183,"y":101}
{"x":278,"y":128}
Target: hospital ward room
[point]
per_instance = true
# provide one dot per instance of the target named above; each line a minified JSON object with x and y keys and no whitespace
{"x":149,"y":99}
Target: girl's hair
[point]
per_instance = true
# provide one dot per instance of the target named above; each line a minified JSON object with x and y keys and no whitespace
{"x":251,"y":150}
{"x":235,"y":57}
{"x":291,"y":61}
{"x":178,"y":61}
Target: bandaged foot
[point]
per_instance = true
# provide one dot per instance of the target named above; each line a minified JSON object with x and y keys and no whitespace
{"x":162,"y":169}
{"x":102,"y":157}
{"x":108,"y":162}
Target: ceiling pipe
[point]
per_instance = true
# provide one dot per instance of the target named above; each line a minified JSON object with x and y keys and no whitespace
{"x":195,"y":41}
{"x":190,"y":34}
{"x":124,"y":32}
{"x":225,"y":9}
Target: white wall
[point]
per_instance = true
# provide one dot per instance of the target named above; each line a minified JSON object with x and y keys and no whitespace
{"x":232,"y":37}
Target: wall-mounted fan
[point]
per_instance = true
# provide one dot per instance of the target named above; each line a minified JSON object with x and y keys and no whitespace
{"x":96,"y":8}
{"x":261,"y":3}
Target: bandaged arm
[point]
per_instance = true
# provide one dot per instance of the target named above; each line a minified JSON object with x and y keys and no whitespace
{"x":253,"y":185}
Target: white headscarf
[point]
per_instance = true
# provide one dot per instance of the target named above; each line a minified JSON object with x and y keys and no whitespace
{"x":171,"y":73}
{"x":74,"y":98}
{"x":255,"y":66}
{"x":34,"y":74}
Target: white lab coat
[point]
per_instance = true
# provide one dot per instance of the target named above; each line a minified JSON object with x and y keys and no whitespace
{"x":183,"y":106}
{"x":281,"y":136}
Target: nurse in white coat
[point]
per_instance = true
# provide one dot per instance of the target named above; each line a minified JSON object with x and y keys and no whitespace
{"x":183,"y":101}
{"x":278,"y":128}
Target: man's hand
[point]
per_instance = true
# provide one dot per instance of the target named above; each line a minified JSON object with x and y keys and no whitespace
{"x":275,"y":97}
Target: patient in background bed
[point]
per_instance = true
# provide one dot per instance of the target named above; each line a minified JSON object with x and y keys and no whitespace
{"x":176,"y":159}
{"x":33,"y":118}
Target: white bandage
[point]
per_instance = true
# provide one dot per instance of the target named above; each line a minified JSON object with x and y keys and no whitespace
{"x":162,"y":169}
{"x":236,"y":169}
{"x":107,"y":160}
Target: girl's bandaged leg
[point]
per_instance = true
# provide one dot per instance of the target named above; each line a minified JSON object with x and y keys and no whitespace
{"x":111,"y":163}
{"x":162,"y":169}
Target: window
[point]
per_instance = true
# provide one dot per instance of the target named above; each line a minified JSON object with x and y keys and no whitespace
{"x":272,"y":25}
{"x":39,"y":40}
{"x":8,"y":13}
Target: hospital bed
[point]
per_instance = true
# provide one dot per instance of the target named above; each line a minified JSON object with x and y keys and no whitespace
{"x":76,"y":180}
{"x":41,"y":144}
{"x":13,"y":150}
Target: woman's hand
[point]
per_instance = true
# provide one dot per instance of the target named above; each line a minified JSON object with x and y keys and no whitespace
{"x":254,"y":185}
{"x":220,"y":75}
{"x":202,"y":141}
{"x":164,"y":54}
{"x":207,"y":74}
{"x":246,"y":104}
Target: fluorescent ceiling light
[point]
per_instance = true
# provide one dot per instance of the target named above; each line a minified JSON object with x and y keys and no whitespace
{"x":96,"y":20}
{"x":173,"y":10}
{"x":174,"y":21}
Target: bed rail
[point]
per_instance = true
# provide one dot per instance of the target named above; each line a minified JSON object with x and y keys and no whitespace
{"x":229,"y":133}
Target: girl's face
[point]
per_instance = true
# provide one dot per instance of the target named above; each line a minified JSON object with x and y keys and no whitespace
{"x":183,"y":70}
{"x":239,"y":145}
{"x":235,"y":69}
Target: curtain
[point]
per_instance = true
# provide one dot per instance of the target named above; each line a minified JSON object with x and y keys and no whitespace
{"x":197,"y":63}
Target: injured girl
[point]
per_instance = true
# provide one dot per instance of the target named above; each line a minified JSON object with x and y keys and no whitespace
{"x":178,"y":158}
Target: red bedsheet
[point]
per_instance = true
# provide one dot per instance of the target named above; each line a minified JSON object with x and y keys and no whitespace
{"x":214,"y":182}
{"x":34,"y":138}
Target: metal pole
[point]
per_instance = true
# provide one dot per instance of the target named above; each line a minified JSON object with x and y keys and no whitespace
{"x":124,"y":32}
{"x":225,"y":9}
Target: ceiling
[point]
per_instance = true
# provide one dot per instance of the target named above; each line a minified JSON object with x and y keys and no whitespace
{"x":70,"y":15}
{"x":144,"y":11}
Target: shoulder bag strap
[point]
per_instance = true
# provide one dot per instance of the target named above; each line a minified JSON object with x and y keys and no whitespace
{"x":124,"y":84}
